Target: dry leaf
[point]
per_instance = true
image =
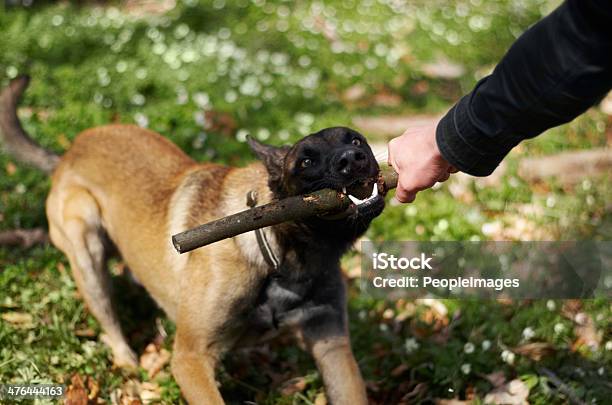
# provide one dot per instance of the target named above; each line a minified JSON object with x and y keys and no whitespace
{"x":497,"y":378}
{"x":11,"y":168}
{"x":587,"y":334}
{"x":535,"y":351}
{"x":17,"y":317}
{"x":442,"y":68}
{"x":21,"y":320}
{"x":399,"y":370}
{"x":513,"y":393}
{"x":76,"y":394}
{"x":93,"y":387}
{"x":85,"y":332}
{"x":354,"y":93}
{"x":153,"y":360}
{"x":290,"y":387}
{"x":150,"y":392}
{"x":63,"y":141}
{"x":453,"y":401}
{"x":321,"y":399}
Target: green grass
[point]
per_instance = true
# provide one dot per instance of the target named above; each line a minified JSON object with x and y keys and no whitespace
{"x":268,"y":67}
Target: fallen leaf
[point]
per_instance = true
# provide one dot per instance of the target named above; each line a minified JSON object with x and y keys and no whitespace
{"x":11,"y":168}
{"x":85,"y":332}
{"x":399,"y":370}
{"x":222,"y":122}
{"x":21,"y":320}
{"x":497,"y":379}
{"x":587,"y":333}
{"x":76,"y":394}
{"x":453,"y":401}
{"x":320,"y":399}
{"x":442,"y":68}
{"x":150,"y":392}
{"x":63,"y":141}
{"x":513,"y":393}
{"x":354,"y":93}
{"x":386,"y":98}
{"x":535,"y":351}
{"x":290,"y":387}
{"x":93,"y":388}
{"x":153,"y":360}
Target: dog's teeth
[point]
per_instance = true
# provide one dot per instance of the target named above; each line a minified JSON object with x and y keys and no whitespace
{"x":355,"y":200}
{"x":344,"y":190}
{"x":374,"y":191}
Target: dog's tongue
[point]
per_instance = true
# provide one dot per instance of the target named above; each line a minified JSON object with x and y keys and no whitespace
{"x":361,"y":190}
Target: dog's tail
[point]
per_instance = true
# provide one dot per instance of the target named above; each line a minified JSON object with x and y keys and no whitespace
{"x":16,"y":141}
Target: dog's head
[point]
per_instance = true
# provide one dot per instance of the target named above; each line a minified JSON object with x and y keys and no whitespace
{"x":338,"y":158}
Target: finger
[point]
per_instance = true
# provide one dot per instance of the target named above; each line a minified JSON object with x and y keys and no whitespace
{"x":404,"y":194}
{"x":405,"y":197}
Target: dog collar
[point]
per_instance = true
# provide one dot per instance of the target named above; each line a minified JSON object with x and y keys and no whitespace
{"x":264,"y":246}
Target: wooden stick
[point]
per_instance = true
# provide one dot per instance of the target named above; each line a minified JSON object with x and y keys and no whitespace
{"x":322,"y":202}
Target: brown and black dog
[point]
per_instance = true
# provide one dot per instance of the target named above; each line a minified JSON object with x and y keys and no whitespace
{"x":135,"y":188}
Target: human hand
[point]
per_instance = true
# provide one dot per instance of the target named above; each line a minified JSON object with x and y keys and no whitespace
{"x":416,"y":158}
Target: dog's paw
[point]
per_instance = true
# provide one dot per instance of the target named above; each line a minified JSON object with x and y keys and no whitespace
{"x":123,"y":356}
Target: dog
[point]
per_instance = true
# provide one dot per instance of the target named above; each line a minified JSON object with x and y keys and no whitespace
{"x":134,"y":188}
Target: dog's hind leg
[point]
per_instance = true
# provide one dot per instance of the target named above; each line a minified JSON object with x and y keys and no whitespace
{"x":77,"y":232}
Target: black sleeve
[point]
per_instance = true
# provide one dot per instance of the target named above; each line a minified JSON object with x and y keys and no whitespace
{"x":554,"y":72}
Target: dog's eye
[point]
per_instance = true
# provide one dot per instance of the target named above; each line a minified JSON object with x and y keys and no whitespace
{"x":306,"y":163}
{"x":356,"y":141}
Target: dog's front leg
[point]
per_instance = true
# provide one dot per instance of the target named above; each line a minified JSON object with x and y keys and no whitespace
{"x":194,"y":370}
{"x":325,"y":334}
{"x":340,"y":372}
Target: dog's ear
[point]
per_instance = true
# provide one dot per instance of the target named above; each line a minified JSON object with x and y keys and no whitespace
{"x":273,"y":157}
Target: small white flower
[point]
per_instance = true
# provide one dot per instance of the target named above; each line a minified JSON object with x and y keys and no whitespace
{"x":141,"y":120}
{"x":121,"y":66}
{"x":550,"y":304}
{"x":559,"y":328}
{"x":241,"y":135}
{"x":601,"y":371}
{"x":443,"y":224}
{"x":508,"y":357}
{"x":283,"y":134}
{"x":411,"y":210}
{"x":201,"y":99}
{"x":231,"y":96}
{"x":411,"y":345}
{"x":608,"y":345}
{"x":468,"y":348}
{"x":466,"y":368}
{"x":199,"y":118}
{"x":20,"y":188}
{"x":363,"y":315}
{"x":141,"y":73}
{"x":138,"y":99}
{"x":263,"y":134}
{"x":486,"y":345}
{"x":383,"y":327}
{"x":528,"y":333}
{"x":586,"y":185}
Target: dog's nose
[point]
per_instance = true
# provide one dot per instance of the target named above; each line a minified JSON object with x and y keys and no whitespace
{"x":351,"y":161}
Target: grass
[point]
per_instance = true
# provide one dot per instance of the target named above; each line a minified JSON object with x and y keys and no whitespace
{"x":204,"y":75}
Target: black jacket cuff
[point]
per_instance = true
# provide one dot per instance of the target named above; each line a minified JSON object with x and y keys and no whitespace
{"x":464,"y":146}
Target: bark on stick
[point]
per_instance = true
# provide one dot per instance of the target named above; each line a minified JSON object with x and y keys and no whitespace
{"x":321,"y":202}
